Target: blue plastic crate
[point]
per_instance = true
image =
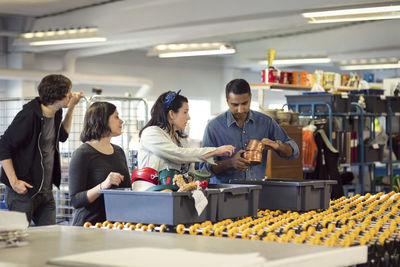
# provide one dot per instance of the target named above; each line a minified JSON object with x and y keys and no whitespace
{"x":171,"y":208}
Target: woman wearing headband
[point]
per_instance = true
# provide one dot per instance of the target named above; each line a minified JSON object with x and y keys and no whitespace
{"x":163,"y":143}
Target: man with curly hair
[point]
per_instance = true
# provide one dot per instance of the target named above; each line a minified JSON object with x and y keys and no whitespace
{"x":29,"y":153}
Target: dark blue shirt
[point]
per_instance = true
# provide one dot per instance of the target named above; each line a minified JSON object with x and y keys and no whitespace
{"x":224,"y":130}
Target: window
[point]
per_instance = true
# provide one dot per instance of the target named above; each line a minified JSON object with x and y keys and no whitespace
{"x":200,"y":113}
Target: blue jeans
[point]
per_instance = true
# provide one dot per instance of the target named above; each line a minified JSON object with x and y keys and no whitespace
{"x":41,"y":209}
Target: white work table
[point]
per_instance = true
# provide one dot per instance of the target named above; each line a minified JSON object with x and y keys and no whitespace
{"x":49,"y":242}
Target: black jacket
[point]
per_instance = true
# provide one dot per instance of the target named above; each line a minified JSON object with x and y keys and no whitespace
{"x":20,"y":142}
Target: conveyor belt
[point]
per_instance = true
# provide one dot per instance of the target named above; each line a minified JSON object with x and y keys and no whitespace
{"x":371,"y":220}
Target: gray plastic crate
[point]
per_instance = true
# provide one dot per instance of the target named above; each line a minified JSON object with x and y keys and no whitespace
{"x":236,"y":200}
{"x":294,"y":195}
{"x":171,"y":208}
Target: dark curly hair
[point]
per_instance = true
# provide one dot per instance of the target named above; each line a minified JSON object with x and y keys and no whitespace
{"x":53,"y":87}
{"x":95,"y":123}
{"x":159,"y":113}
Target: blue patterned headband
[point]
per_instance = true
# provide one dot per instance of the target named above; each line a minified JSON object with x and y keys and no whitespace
{"x":169,"y":98}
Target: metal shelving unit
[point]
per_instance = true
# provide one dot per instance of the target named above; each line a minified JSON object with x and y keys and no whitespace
{"x":357,"y":114}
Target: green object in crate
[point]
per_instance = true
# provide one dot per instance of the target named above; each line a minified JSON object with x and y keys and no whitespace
{"x":200,"y":175}
{"x":165,"y":176}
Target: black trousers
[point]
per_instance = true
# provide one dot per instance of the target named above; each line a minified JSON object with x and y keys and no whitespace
{"x":41,"y":209}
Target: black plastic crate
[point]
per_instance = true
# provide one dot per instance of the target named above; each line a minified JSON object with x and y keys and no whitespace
{"x":375,"y":104}
{"x":394,"y":103}
{"x":338,"y":102}
{"x":354,"y":98}
{"x":236,"y":200}
{"x":373,"y":152}
{"x":171,"y":208}
{"x":294,"y":195}
{"x":367,"y":91}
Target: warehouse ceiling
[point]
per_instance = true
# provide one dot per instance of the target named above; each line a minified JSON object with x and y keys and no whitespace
{"x":251,"y":26}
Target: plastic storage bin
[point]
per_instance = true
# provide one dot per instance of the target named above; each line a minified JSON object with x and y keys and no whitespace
{"x":236,"y":200}
{"x":294,"y":195}
{"x":394,"y":103}
{"x":338,"y":103}
{"x":367,"y":91}
{"x":375,"y":101}
{"x":172,"y":208}
{"x":373,"y":152}
{"x":375,"y":104}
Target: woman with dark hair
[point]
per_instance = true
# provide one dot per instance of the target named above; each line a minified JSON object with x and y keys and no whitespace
{"x":163,"y":143}
{"x":96,"y":164}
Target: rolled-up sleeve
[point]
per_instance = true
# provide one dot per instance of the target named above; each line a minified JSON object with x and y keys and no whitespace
{"x":280,"y":134}
{"x":295,"y":147}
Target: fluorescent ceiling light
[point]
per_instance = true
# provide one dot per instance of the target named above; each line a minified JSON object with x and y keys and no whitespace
{"x":59,"y":37}
{"x":371,"y":66}
{"x":191,"y":49}
{"x":69,"y":41}
{"x":354,"y":14}
{"x":297,"y":61}
{"x":197,"y":53}
{"x":365,"y":61}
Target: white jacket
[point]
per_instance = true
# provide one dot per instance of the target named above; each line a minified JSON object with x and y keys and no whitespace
{"x":158,"y":151}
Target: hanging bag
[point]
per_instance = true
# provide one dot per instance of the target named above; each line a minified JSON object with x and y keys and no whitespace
{"x":310,"y":149}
